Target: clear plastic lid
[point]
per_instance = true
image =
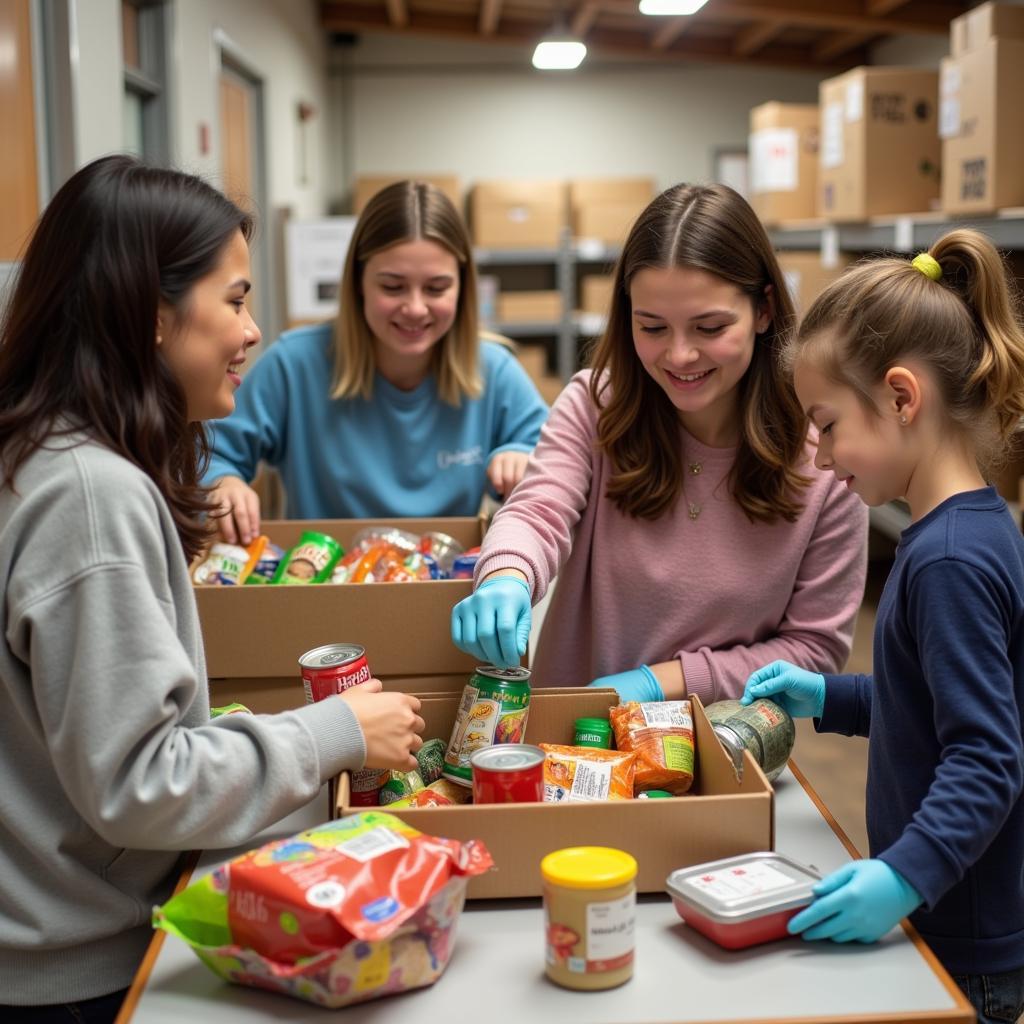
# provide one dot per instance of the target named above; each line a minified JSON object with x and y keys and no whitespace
{"x":745,"y":887}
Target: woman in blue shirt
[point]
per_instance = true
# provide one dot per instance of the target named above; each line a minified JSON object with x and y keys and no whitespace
{"x":395,"y":409}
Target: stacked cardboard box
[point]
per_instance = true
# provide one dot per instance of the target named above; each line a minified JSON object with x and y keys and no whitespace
{"x":784,"y":161}
{"x":807,"y":276}
{"x":366,"y":186}
{"x":981,"y":117}
{"x":529,"y":307}
{"x":604,"y":209}
{"x":879,"y":143}
{"x":596,"y":293}
{"x":517,"y":214}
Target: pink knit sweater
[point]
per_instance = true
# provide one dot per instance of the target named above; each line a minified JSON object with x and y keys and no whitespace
{"x":720,"y":593}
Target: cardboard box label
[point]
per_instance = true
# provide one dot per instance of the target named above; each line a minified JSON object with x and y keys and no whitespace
{"x":949,"y":117}
{"x":832,"y":135}
{"x":774,"y":160}
{"x":854,"y":109}
{"x":974,"y":178}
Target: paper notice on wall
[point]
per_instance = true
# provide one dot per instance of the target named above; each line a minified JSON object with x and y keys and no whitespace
{"x":855,"y":101}
{"x":314,"y":255}
{"x":774,"y":163}
{"x":832,"y":135}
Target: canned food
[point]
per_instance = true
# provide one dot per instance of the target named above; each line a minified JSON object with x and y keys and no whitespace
{"x":742,"y":901}
{"x":430,"y":758}
{"x":593,"y":732}
{"x":332,"y":669}
{"x":464,"y":565}
{"x":764,"y":728}
{"x":365,"y":786}
{"x":312,"y":560}
{"x":510,"y":774}
{"x":494,"y":707}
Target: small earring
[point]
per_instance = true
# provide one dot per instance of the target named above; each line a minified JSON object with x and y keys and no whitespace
{"x":903,"y":420}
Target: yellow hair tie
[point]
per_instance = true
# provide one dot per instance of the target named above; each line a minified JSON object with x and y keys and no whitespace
{"x":928,"y":265}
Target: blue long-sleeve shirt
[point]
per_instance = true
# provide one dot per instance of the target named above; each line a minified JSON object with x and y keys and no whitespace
{"x":944,"y":715}
{"x":402,"y":453}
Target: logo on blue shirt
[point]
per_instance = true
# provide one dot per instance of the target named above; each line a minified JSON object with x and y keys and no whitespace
{"x":470,"y":457}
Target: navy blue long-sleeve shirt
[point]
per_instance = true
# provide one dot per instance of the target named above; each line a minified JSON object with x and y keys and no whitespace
{"x":944,"y":714}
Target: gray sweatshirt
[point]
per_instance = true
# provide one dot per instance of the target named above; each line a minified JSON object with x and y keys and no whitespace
{"x":109,"y":763}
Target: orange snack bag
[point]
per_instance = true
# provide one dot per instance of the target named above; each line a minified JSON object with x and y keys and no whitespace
{"x":586,"y":773}
{"x":661,"y":736}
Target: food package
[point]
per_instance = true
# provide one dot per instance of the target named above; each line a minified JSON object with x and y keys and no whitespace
{"x":349,"y":911}
{"x":229,"y":564}
{"x":587,"y":773}
{"x":661,"y":736}
{"x":440,"y":793}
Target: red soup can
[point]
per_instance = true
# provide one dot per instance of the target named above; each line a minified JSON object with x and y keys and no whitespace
{"x":510,"y":773}
{"x":332,"y":669}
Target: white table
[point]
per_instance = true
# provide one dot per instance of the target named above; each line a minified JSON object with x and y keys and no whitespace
{"x":496,"y":974}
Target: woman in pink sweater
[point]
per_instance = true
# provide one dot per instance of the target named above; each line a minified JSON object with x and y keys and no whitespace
{"x":673,"y":491}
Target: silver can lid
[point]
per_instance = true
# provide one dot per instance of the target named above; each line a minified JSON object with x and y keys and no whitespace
{"x":507,"y":757}
{"x":744,"y":888}
{"x":331,"y":654}
{"x":506,"y":675}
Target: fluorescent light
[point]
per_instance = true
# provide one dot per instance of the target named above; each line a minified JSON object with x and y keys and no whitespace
{"x":559,"y":54}
{"x":671,"y":6}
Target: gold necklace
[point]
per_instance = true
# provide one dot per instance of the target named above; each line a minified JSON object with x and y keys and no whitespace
{"x":695,"y":468}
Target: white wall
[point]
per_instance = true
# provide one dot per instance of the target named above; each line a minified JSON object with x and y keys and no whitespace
{"x":407,"y":105}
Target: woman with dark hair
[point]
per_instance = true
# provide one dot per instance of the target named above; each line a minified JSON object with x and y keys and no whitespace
{"x":398,"y":408}
{"x":673,"y":490}
{"x":126,"y":329}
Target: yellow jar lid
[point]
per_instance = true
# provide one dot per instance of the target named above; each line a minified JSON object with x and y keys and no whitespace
{"x":588,"y":867}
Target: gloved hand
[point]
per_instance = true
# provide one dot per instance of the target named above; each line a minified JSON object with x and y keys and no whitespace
{"x":637,"y":684}
{"x":493,"y":623}
{"x":858,"y":903}
{"x":800,"y":692}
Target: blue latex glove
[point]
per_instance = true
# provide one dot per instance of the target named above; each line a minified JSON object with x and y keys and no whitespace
{"x":858,"y":903}
{"x":800,"y":692}
{"x":636,"y":684}
{"x":493,"y":623}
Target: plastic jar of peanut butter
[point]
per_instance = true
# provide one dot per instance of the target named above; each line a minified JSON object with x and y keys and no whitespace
{"x":589,"y":916}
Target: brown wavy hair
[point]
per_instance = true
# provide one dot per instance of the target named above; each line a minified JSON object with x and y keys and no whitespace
{"x":965,"y":327}
{"x":709,"y":228}
{"x":404,"y":212}
{"x":78,"y":345}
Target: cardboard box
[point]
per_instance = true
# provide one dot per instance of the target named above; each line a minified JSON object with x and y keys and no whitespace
{"x":981,"y":122}
{"x":254,"y":635}
{"x":784,"y":161}
{"x":721,"y":817}
{"x":518,"y":214}
{"x":529,"y":307}
{"x":807,"y":276}
{"x":880,"y":147}
{"x":604,"y":209}
{"x":596,"y":293}
{"x":366,"y":186}
{"x":987,"y":21}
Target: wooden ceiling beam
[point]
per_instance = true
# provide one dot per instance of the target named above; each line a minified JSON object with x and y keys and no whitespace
{"x":670,"y":32}
{"x":490,"y":16}
{"x":755,"y":37}
{"x":880,"y":7}
{"x":398,"y":13}
{"x":584,"y":18}
{"x":838,"y":43}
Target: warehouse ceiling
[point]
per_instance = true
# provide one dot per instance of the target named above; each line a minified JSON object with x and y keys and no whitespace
{"x":810,"y":34}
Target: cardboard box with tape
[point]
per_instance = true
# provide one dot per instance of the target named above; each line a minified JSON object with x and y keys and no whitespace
{"x":604,"y":209}
{"x":784,"y":161}
{"x":517,"y":214}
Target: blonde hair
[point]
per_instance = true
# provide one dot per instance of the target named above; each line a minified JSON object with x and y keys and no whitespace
{"x":964,"y":327}
{"x":404,"y":212}
{"x":709,"y":228}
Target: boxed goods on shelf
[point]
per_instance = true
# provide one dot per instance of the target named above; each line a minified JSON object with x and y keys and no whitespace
{"x":517,"y":214}
{"x":529,"y":306}
{"x":807,"y":276}
{"x":880,"y":147}
{"x":366,"y":186}
{"x":784,"y":161}
{"x":986,"y":21}
{"x":603,"y":209}
{"x":596,"y":293}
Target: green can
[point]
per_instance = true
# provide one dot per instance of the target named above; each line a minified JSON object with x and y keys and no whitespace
{"x":312,"y":560}
{"x":593,"y":732}
{"x":494,"y":708}
{"x":430,"y":758}
{"x":763,"y":727}
{"x":398,"y":786}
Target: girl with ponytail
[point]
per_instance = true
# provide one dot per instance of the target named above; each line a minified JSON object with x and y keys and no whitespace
{"x":913,"y":373}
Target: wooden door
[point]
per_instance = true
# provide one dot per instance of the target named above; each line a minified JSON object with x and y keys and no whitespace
{"x":236,"y":139}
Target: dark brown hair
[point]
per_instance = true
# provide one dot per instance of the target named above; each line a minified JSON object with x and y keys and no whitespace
{"x":709,"y":228}
{"x":78,"y":342}
{"x":404,"y":212}
{"x":965,"y":327}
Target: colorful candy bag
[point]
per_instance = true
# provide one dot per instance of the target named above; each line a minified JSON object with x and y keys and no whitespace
{"x":349,"y":911}
{"x":229,"y":563}
{"x":661,"y":735}
{"x":587,"y":773}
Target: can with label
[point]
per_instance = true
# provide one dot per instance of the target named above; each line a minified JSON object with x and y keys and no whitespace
{"x":332,"y":669}
{"x":365,"y":786}
{"x":494,"y":708}
{"x":593,"y":732}
{"x":512,"y":773}
{"x":763,"y":727}
{"x":312,"y":560}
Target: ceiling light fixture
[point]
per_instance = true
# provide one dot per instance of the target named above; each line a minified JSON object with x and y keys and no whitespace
{"x":663,"y":7}
{"x":559,"y":50}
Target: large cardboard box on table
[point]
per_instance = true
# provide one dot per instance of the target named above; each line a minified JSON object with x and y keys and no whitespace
{"x":784,"y":161}
{"x":984,"y":22}
{"x":517,"y":214}
{"x":880,"y":149}
{"x":807,"y":276}
{"x":255,"y":635}
{"x":981,"y":122}
{"x":723,"y":815}
{"x":604,"y":209}
{"x":366,"y":186}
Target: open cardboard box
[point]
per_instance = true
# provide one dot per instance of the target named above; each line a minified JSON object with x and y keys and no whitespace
{"x":722,"y":816}
{"x":254,"y":636}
